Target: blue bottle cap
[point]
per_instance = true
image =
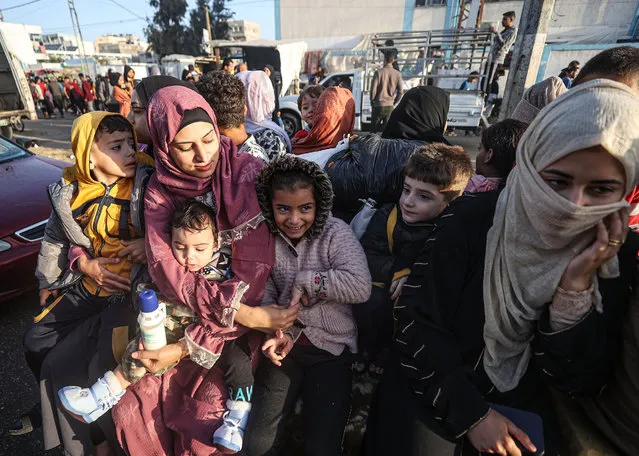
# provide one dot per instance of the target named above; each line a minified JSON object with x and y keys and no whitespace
{"x":148,"y":301}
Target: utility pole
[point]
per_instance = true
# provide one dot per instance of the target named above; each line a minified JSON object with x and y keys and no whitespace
{"x":535,"y":17}
{"x":78,"y":37}
{"x":208,"y":28}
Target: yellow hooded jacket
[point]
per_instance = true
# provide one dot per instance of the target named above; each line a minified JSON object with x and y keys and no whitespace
{"x":102,"y":211}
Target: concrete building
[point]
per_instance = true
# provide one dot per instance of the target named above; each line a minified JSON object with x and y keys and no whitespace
{"x":242,"y":30}
{"x":298,"y":19}
{"x":119,"y":44}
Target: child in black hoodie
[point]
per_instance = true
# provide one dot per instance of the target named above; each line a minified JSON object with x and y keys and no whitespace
{"x":434,"y":175}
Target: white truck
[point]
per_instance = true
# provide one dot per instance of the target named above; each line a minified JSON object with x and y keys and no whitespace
{"x":16,"y":101}
{"x":443,"y":58}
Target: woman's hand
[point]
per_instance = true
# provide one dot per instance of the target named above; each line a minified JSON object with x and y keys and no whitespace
{"x":156,"y":360}
{"x":267,"y":319}
{"x":96,"y":269}
{"x":134,"y":250}
{"x":497,"y":434}
{"x":611,"y":234}
{"x":277,"y":347}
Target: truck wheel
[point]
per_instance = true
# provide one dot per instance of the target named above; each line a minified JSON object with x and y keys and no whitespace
{"x":18,"y":125}
{"x":6,"y":131}
{"x":292,"y":123}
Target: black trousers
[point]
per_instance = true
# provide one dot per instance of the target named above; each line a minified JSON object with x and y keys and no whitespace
{"x":235,"y":362}
{"x":379,"y":118}
{"x":66,"y":313}
{"x":57,"y":101}
{"x":375,"y":322}
{"x":322,"y":380}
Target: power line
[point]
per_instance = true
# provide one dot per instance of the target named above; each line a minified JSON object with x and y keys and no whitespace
{"x":95,"y":24}
{"x":127,"y":9}
{"x":20,"y":5}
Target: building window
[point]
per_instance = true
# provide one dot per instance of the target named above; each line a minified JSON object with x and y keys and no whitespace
{"x":430,"y":2}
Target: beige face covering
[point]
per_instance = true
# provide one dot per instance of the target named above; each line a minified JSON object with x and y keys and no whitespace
{"x":536,"y":232}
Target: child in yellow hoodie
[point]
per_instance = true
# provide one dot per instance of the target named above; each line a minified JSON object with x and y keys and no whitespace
{"x":93,"y":246}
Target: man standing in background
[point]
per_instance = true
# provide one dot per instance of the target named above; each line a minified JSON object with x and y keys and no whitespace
{"x":386,"y":91}
{"x":502,"y":43}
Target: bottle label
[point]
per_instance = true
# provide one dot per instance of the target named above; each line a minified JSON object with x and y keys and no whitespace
{"x":154,"y":339}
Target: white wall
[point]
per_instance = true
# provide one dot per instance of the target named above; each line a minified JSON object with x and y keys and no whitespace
{"x":582,"y":13}
{"x":302,"y":18}
{"x":494,"y":11}
{"x":429,"y":18}
{"x":19,"y":42}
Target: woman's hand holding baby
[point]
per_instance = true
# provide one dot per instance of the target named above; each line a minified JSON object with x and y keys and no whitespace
{"x":267,"y":319}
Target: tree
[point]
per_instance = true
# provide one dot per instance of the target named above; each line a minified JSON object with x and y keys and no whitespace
{"x":220,"y":15}
{"x":165,"y":32}
{"x":193,"y":36}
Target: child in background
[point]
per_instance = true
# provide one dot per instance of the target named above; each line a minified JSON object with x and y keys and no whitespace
{"x":195,"y":246}
{"x":472,"y":79}
{"x":496,"y":156}
{"x":320,"y":263}
{"x":333,"y":119}
{"x":306,"y":104}
{"x":227,"y":96}
{"x":434,"y":176}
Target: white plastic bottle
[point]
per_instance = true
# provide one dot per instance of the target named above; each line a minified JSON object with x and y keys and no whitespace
{"x":151,"y":321}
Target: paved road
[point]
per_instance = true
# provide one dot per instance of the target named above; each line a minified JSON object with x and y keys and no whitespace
{"x":17,"y":385}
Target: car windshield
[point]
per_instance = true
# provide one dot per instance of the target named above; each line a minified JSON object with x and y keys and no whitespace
{"x":10,"y":151}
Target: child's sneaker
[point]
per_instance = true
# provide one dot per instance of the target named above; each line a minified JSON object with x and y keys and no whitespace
{"x":89,"y":404}
{"x":229,"y":437}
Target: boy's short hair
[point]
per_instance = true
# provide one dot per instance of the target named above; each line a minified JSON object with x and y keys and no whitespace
{"x":503,"y":138}
{"x":510,"y":14}
{"x":447,"y":167}
{"x":227,"y":96}
{"x":312,"y":91}
{"x":620,"y":62}
{"x":111,"y":124}
{"x":194,"y":216}
{"x":226,"y":62}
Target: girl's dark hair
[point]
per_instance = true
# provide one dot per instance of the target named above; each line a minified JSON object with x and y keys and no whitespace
{"x":503,"y":138}
{"x":289,"y":172}
{"x":193,"y":215}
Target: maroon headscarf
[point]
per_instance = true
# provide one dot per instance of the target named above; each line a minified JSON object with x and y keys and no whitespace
{"x":232,"y":183}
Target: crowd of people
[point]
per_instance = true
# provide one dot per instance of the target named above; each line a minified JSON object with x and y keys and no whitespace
{"x":81,"y":95}
{"x":471,"y":293}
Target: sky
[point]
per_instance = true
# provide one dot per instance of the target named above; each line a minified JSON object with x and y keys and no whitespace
{"x":101,"y":17}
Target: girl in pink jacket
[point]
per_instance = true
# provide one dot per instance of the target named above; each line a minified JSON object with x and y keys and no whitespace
{"x":320,"y":263}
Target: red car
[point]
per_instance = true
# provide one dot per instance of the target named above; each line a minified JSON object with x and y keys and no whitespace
{"x":24,"y":211}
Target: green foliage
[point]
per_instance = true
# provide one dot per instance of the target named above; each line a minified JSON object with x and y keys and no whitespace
{"x":168,"y":34}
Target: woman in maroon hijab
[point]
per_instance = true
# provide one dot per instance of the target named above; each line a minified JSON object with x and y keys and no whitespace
{"x":177,"y":412}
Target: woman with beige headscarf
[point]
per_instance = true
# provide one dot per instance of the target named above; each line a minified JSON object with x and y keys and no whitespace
{"x":536,"y":97}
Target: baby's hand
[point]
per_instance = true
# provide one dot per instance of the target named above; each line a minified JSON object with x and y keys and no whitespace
{"x":276,"y":348}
